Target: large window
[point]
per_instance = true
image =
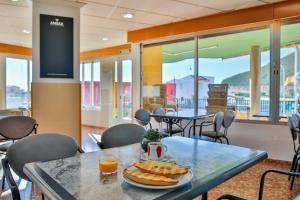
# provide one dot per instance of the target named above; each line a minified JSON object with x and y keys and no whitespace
{"x":90,"y":73}
{"x":242,"y":62}
{"x":289,"y":70}
{"x":18,"y":83}
{"x":259,"y":80}
{"x":168,"y":76}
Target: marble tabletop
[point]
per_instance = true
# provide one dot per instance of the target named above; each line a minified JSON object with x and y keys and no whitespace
{"x":78,"y":177}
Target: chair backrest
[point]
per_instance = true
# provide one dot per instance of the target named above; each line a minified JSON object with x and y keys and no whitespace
{"x":122,"y":134}
{"x":229,"y":116}
{"x":293,"y":123}
{"x":142,"y":116}
{"x":159,"y":111}
{"x":42,"y":147}
{"x":17,"y":127}
{"x":218,"y":121}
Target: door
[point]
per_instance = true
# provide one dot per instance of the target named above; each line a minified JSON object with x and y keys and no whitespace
{"x":122,"y":91}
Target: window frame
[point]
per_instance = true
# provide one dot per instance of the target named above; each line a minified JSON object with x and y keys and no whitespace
{"x":92,"y":106}
{"x":275,"y":43}
{"x":28,"y":60}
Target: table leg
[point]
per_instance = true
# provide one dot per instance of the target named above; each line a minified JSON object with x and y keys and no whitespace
{"x":204,"y":196}
{"x":194,"y":127}
{"x":170,"y":127}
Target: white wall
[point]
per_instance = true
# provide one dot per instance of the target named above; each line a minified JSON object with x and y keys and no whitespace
{"x":275,"y":139}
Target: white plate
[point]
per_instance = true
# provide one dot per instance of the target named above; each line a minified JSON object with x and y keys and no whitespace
{"x":182,"y":180}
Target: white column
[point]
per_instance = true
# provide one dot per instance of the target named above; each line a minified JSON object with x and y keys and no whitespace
{"x":255,"y":80}
{"x":56,"y":102}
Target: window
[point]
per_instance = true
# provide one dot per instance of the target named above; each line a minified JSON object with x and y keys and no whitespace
{"x":242,"y":61}
{"x":168,"y":76}
{"x":18,"y":83}
{"x":289,"y":99}
{"x":90,"y":73}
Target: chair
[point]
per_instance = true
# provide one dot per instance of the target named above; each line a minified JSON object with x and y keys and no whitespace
{"x":293,"y":123}
{"x":142,"y":116}
{"x":217,"y":123}
{"x":42,"y":147}
{"x":262,"y":183}
{"x":229,"y":117}
{"x":122,"y":134}
{"x":13,"y":128}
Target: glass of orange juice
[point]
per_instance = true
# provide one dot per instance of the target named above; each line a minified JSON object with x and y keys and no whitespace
{"x":108,"y":166}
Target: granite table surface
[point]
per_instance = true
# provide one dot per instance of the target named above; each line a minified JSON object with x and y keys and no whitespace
{"x":78,"y":177}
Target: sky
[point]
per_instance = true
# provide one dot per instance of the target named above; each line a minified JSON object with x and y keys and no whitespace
{"x":218,"y":68}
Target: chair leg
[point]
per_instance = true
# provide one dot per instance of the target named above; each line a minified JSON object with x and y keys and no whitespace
{"x":3,"y":181}
{"x":293,"y":164}
{"x":43,"y":196}
{"x":296,"y":168}
{"x":226,"y":140}
{"x":220,"y":140}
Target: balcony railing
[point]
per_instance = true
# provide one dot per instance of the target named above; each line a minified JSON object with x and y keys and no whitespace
{"x":243,"y":105}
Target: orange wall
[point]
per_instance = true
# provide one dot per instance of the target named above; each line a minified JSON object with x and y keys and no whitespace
{"x":259,"y":14}
{"x":13,"y":49}
{"x":152,"y":68}
{"x":98,"y":53}
{"x":111,"y":51}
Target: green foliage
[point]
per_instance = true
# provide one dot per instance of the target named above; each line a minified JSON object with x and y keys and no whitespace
{"x":153,"y":135}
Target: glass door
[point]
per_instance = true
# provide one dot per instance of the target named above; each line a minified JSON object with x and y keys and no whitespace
{"x":122,"y":91}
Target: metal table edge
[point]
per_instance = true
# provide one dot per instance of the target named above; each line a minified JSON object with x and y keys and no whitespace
{"x":204,"y":188}
{"x":45,"y":184}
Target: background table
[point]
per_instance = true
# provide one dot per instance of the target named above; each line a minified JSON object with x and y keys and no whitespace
{"x":188,"y":114}
{"x":78,"y":177}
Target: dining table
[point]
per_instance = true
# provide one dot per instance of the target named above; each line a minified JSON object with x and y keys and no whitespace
{"x":190,"y":115}
{"x":78,"y":177}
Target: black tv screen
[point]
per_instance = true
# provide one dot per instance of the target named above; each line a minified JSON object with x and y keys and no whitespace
{"x":56,"y":47}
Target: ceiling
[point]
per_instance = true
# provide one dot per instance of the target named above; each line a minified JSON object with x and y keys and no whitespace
{"x":103,"y":18}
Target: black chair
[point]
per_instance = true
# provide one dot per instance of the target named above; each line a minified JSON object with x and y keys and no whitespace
{"x":142,"y":116}
{"x":42,"y":147}
{"x":262,"y":183}
{"x":122,"y":134}
{"x":216,"y":133}
{"x":293,"y":123}
{"x":14,"y":128}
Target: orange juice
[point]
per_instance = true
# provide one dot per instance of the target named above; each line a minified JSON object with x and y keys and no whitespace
{"x":108,"y":166}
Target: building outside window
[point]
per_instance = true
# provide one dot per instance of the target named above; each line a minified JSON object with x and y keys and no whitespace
{"x":90,"y":73}
{"x":18,"y":83}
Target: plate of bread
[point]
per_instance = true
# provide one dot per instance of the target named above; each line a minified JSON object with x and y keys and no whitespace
{"x":153,"y":174}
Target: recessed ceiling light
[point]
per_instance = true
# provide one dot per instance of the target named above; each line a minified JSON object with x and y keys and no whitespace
{"x":26,"y":31}
{"x":14,"y":0}
{"x":105,"y":39}
{"x":128,"y":15}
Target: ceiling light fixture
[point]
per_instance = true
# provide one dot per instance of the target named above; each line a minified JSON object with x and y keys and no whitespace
{"x":26,"y":31}
{"x":105,"y":39}
{"x":14,"y":0}
{"x":128,"y":15}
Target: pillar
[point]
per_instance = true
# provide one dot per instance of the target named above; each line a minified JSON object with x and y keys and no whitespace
{"x":255,"y":80}
{"x":56,"y":102}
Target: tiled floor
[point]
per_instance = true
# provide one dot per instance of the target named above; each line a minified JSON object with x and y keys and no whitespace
{"x":244,"y":185}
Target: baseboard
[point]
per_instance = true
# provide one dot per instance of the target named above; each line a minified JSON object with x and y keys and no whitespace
{"x":92,"y":126}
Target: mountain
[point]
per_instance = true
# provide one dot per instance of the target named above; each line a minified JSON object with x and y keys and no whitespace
{"x":287,"y":63}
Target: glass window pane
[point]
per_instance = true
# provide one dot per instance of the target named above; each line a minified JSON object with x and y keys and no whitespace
{"x":289,"y":70}
{"x":16,"y":83}
{"x":115,"y":88}
{"x":242,"y":61}
{"x":87,"y":100}
{"x":97,"y":85}
{"x":168,"y":76}
{"x":126,"y":89}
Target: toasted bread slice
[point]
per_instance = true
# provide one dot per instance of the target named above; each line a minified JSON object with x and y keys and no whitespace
{"x":148,"y":179}
{"x":161,"y":168}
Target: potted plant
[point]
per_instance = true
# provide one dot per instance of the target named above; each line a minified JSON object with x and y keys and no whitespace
{"x":152,"y":135}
